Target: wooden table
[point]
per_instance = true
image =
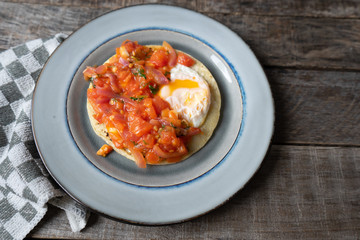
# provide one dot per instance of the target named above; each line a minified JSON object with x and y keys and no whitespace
{"x":309,"y":185}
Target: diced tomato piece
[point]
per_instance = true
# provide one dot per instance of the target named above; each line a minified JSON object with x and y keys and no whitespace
{"x":138,"y":126}
{"x":129,"y":46}
{"x":101,"y":69}
{"x":156,"y":123}
{"x":98,"y":116}
{"x":91,"y":93}
{"x":104,"y":150}
{"x":147,"y":141}
{"x":119,"y":105}
{"x":118,"y":51}
{"x":89,"y":72}
{"x":141,"y":53}
{"x":120,"y":125}
{"x":164,"y":154}
{"x":98,"y":82}
{"x":152,"y":158}
{"x":129,"y":136}
{"x":174,"y":122}
{"x":165,"y":113}
{"x":173,"y":114}
{"x":114,"y":59}
{"x":151,"y":112}
{"x":159,"y":58}
{"x":114,"y":134}
{"x":185,"y":60}
{"x":132,"y":107}
{"x":132,"y":88}
{"x":124,"y":76}
{"x":159,"y":104}
{"x":149,"y":109}
{"x":167,"y":135}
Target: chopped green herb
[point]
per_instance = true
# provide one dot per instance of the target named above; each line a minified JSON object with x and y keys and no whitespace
{"x":153,"y":90}
{"x":138,"y":98}
{"x":142,"y":73}
{"x":171,"y":124}
{"x":145,"y":142}
{"x":133,"y":57}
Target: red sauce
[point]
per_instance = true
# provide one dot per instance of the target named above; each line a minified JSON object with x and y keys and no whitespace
{"x":123,"y":97}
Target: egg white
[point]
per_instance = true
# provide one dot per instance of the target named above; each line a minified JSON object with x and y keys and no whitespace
{"x":188,"y":94}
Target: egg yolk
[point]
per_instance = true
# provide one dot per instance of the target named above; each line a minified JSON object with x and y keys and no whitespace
{"x":177,"y":83}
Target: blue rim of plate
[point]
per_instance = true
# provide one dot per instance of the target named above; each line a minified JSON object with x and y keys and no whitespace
{"x":234,"y":72}
{"x":179,"y":212}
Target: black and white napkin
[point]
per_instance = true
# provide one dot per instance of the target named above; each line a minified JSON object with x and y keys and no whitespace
{"x":25,"y":185}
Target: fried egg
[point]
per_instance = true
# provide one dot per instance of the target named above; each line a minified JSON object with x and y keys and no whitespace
{"x":188,"y":94}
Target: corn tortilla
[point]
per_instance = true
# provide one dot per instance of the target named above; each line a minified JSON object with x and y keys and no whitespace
{"x":197,"y":141}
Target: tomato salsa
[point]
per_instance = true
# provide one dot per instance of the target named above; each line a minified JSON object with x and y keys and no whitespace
{"x":123,"y":96}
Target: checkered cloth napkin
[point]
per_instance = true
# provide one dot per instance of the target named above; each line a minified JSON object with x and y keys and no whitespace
{"x":25,"y":185}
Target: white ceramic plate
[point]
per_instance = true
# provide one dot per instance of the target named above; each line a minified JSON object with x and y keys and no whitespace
{"x":156,"y":195}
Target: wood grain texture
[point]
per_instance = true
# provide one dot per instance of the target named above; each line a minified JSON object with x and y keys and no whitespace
{"x":39,"y":21}
{"x":297,"y":41}
{"x":298,"y":193}
{"x":110,"y":4}
{"x":278,"y":41}
{"x":316,"y":107}
{"x":307,"y":8}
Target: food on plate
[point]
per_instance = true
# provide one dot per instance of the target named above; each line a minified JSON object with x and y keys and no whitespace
{"x":104,"y":150}
{"x":152,"y":104}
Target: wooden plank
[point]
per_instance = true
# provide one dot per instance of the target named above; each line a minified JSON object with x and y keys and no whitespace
{"x":316,"y":107}
{"x":109,"y":4}
{"x":24,"y":22}
{"x":300,"y":192}
{"x":277,"y":41}
{"x":299,"y":42}
{"x":308,"y":8}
